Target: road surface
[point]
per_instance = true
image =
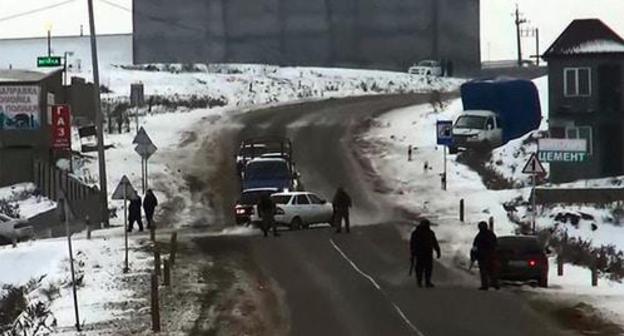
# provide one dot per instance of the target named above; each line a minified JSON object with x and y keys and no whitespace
{"x":357,"y":284}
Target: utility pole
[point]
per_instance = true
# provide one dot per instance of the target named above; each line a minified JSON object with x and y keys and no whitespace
{"x":98,"y":116}
{"x":519,"y":21}
{"x":435,"y":47}
{"x":537,"y":50}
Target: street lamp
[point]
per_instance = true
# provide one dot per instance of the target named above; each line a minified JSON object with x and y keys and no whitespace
{"x":65,"y":54}
{"x":48,"y":27}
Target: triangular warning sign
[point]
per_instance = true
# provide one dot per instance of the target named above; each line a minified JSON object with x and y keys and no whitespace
{"x":124,"y":190}
{"x":142,"y":138}
{"x":534,"y":166}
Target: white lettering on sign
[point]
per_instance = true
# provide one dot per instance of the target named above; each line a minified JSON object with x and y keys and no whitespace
{"x":562,"y":156}
{"x":19,"y":107}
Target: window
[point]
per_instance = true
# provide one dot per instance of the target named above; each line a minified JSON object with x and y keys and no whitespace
{"x":281,"y":199}
{"x":301,"y":199}
{"x":581,"y":132}
{"x":489,"y":125}
{"x":499,"y":122}
{"x":577,"y":82}
{"x":315,"y":199}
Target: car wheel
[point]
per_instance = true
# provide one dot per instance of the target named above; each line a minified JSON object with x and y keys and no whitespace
{"x":543,"y":281}
{"x":296,"y":224}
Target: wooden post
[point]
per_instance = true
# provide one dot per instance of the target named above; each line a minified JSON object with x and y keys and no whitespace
{"x":174,"y":247}
{"x":461,"y":210}
{"x":157,"y":270}
{"x":167,"y":277}
{"x":559,"y":265}
{"x":594,"y":276}
{"x":491,"y":223}
{"x":155,"y":305}
{"x":153,"y":231}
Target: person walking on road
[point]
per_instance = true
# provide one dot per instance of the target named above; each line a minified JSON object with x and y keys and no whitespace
{"x":341,"y":203}
{"x":422,"y":244}
{"x":266,"y":211}
{"x":134,"y":213}
{"x":484,"y":252}
{"x":149,"y":206}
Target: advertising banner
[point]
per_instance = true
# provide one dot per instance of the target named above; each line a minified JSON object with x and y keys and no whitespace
{"x":19,"y":107}
{"x":61,"y":127}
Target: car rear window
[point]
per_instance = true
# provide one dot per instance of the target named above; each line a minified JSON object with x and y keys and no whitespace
{"x":519,"y":245}
{"x":281,"y":199}
{"x":252,"y":197}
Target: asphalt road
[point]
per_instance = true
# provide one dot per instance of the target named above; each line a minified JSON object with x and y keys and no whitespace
{"x":357,"y":284}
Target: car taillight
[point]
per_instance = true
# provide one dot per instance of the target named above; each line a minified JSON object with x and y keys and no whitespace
{"x":279,"y":211}
{"x":532,"y":262}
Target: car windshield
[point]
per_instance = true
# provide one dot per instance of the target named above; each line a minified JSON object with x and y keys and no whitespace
{"x":471,"y":122}
{"x":267,"y":170}
{"x":521,"y":245}
{"x":281,"y":199}
{"x":427,"y":64}
{"x":252,"y":197}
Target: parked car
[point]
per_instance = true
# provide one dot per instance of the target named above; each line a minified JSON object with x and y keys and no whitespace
{"x":12,"y":229}
{"x":244,"y":207}
{"x":426,"y":68}
{"x":522,"y":258}
{"x":299,"y":209}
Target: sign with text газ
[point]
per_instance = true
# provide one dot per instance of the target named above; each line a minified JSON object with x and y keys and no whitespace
{"x":562,"y":150}
{"x":19,"y":107}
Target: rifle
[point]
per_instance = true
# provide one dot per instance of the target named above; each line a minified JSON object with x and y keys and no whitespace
{"x":411,"y":268}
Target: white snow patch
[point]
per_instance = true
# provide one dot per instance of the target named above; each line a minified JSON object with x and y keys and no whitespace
{"x":597,"y":46}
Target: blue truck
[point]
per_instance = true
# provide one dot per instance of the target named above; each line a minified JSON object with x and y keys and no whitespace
{"x":496,"y":111}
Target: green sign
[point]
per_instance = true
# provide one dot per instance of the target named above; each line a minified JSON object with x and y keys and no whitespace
{"x":49,"y":61}
{"x":562,"y":156}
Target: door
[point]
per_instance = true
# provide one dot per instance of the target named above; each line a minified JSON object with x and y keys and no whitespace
{"x":319,"y":214}
{"x":302,"y":208}
{"x":611,"y":150}
{"x":610,"y":87}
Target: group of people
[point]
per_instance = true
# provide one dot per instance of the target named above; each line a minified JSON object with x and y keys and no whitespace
{"x":423,"y":243}
{"x":134,"y":210}
{"x":341,"y":204}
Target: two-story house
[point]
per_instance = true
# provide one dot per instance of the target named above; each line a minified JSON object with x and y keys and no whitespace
{"x":585,"y":79}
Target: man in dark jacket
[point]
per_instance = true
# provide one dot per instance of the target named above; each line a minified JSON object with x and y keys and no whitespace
{"x":422,"y":244}
{"x":149,"y":205}
{"x":266,"y":211}
{"x":484,"y":251}
{"x":341,"y":204}
{"x":134,"y":213}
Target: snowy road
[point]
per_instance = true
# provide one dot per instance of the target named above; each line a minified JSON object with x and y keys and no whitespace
{"x":358,"y":284}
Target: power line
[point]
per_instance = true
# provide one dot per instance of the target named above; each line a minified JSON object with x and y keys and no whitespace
{"x":34,"y":11}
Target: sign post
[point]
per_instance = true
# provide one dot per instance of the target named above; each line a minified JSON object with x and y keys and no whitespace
{"x":445,"y":138}
{"x":534,"y":167}
{"x":124,"y":191}
{"x":145,"y":148}
{"x":64,"y":202}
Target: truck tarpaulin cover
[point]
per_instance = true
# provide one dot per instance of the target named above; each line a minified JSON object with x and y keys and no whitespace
{"x":516,"y":101}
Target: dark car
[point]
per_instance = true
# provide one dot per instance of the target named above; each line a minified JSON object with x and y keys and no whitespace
{"x":245,"y":206}
{"x":522,"y":258}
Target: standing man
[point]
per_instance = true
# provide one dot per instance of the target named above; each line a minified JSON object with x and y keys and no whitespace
{"x":149,"y":205}
{"x":484,"y":251}
{"x":266,"y":211}
{"x":341,"y":203}
{"x":134,"y":213}
{"x":422,"y":244}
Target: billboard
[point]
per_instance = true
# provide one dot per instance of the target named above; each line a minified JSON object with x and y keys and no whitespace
{"x":19,"y":107}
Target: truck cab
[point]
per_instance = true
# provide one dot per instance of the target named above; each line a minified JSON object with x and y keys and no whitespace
{"x":478,"y":129}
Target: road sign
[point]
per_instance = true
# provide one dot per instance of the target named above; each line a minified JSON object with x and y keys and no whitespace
{"x":444,"y":132}
{"x":534,"y":166}
{"x":49,"y":61}
{"x":562,"y":150}
{"x":142,"y":138}
{"x":61,"y":127}
{"x":146,"y":151}
{"x":124,"y":190}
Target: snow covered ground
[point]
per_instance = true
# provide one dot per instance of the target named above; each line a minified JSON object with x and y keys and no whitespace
{"x":412,"y":187}
{"x":22,"y":196}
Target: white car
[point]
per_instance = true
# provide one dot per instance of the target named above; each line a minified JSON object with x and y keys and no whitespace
{"x":12,"y":229}
{"x":299,"y":209}
{"x":426,"y":68}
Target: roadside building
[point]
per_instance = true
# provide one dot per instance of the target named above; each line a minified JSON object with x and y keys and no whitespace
{"x":585,"y":79}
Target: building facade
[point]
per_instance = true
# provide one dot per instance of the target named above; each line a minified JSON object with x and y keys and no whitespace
{"x":384,"y":34}
{"x":586,"y":81}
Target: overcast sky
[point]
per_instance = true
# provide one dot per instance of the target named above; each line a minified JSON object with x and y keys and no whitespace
{"x":497,"y":28}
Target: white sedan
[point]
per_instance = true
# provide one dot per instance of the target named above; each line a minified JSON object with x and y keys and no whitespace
{"x":299,"y":209}
{"x":12,"y":230}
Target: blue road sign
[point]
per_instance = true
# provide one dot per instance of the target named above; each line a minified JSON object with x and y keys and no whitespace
{"x":444,"y":132}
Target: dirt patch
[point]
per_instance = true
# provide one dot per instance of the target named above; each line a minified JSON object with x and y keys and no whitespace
{"x":187,"y":139}
{"x":580,"y":317}
{"x":476,"y":161}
